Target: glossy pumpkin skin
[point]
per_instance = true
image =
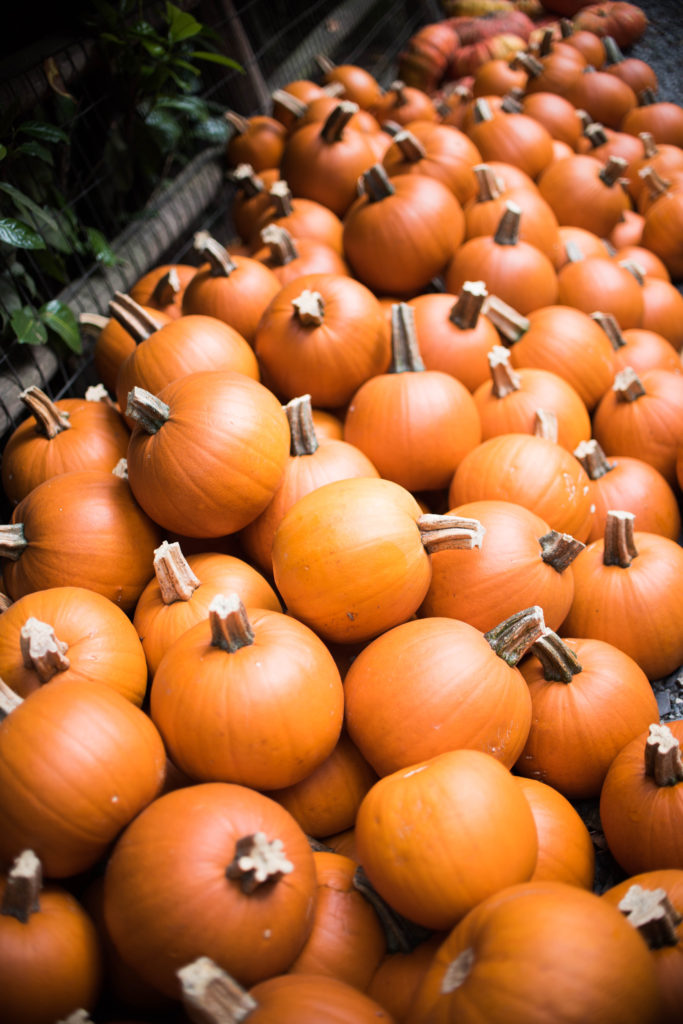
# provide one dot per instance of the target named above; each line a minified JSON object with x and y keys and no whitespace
{"x":159,"y":624}
{"x":51,"y":963}
{"x":462,"y":352}
{"x":114,"y":344}
{"x":667,"y":958}
{"x":449,"y":158}
{"x":531,"y":471}
{"x":313,"y":999}
{"x":143,"y":290}
{"x":633,"y":608}
{"x":237,"y":299}
{"x":637,"y":487}
{"x":575,"y":734}
{"x":72,"y":523}
{"x":215,"y":708}
{"x":77,"y":763}
{"x":103,"y":646}
{"x":486,"y":585}
{"x":588,"y":963}
{"x":348,"y":559}
{"x":96,"y":439}
{"x":396,"y":979}
{"x":597,"y":283}
{"x":642,"y":821}
{"x":565,"y":847}
{"x":216,"y":461}
{"x":433,"y":685}
{"x":167,"y":899}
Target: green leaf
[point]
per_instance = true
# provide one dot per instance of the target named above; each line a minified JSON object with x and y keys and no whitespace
{"x":59,"y":318}
{"x":192,"y":105}
{"x":28,"y":327}
{"x":43,"y":131}
{"x":165,"y":127}
{"x":101,"y":249}
{"x":10,"y":299}
{"x":20,"y":235}
{"x":52,"y":263}
{"x":26,"y":205}
{"x":153,"y":49}
{"x":214,"y":130}
{"x":178,"y":62}
{"x":217,"y":58}
{"x":3,"y":151}
{"x":181,"y":24}
{"x":36,"y":151}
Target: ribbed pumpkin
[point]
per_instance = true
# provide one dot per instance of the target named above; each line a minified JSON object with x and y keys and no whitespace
{"x":565,"y":848}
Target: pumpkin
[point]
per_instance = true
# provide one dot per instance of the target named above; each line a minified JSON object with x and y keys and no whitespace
{"x":303,"y":218}
{"x":498,"y":75}
{"x":70,"y":633}
{"x":521,"y":561}
{"x":395,"y":981}
{"x":638,"y":347}
{"x":113,"y":343}
{"x":437,"y":684}
{"x":662,"y":303}
{"x":251,"y":197}
{"x":58,"y":436}
{"x":162,"y":287}
{"x":514,"y":138}
{"x":322,"y":335}
{"x":64,"y":531}
{"x":236,"y":882}
{"x":179,"y":594}
{"x":611,"y":979}
{"x":50,"y":958}
{"x":641,"y":801}
{"x":77,"y":763}
{"x":464,"y":808}
{"x":403,"y":103}
{"x":599,"y":283}
{"x":311,"y":464}
{"x":360,"y":86}
{"x":401,"y":232}
{"x":438,"y":151}
{"x":623,"y":590}
{"x":605,"y":97}
{"x":292,"y":97}
{"x":662,"y":119}
{"x":662,"y":158}
{"x":574,"y":737}
{"x":220,"y":686}
{"x":584,"y":192}
{"x":415,"y":425}
{"x":556,"y":113}
{"x":662,"y":228}
{"x":565,"y":848}
{"x":289,"y":258}
{"x":258,"y":140}
{"x":221,"y":419}
{"x":625,"y":22}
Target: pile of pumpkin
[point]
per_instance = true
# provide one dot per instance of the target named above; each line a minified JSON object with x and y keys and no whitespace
{"x":350,"y":582}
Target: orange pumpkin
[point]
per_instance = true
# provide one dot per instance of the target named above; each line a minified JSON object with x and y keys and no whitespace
{"x":565,"y":848}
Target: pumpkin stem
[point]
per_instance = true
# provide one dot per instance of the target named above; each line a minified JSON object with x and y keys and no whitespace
{"x":9,"y":700}
{"x":77,"y":1017}
{"x":507,"y":232}
{"x":646,"y":97}
{"x":230,"y":626}
{"x":24,"y":882}
{"x":532,"y":65}
{"x":466,"y":309}
{"x":558,"y":661}
{"x":146,"y":409}
{"x":481,"y":110}
{"x":282,"y":246}
{"x":133,"y":317}
{"x":121,"y":469}
{"x":545,"y":46}
{"x":411,"y":148}
{"x":545,"y":425}
{"x":504,"y":379}
{"x":593,"y":459}
{"x":291,"y":104}
{"x":281,"y":198}
{"x":489,"y":186}
{"x":447,"y":533}
{"x":299,"y":413}
{"x":653,"y":914}
{"x":324,"y":63}
{"x":559,"y":549}
{"x":258,"y":860}
{"x":401,"y":934}
{"x":510,"y":324}
{"x":611,"y":327}
{"x":595,"y":133}
{"x":649,"y":144}
{"x":619,"y":543}
{"x":376,"y":183}
{"x":457,"y":971}
{"x":337,"y":120}
{"x":573,"y":252}
{"x":399,"y":87}
{"x":627,"y":385}
{"x":176,"y":580}
{"x":5,"y":602}
{"x":237,"y":121}
{"x":612,"y":51}
{"x":613,"y":170}
{"x":246,"y":181}
{"x":634,"y":268}
{"x":166,"y":289}
{"x":309,"y":308}
{"x":98,"y":393}
{"x":50,"y":420}
{"x":663,"y":756}
{"x":655,"y":184}
{"x":12,"y":541}
{"x":511,"y":104}
{"x":513,"y":637}
{"x":566,"y":27}
{"x":92,"y":323}
{"x":405,"y":353}
{"x":41,"y":651}
{"x":219,"y":259}
{"x":211,"y":996}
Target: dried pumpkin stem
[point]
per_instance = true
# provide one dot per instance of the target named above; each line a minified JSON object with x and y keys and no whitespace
{"x":546,"y":425}
{"x":24,"y":882}
{"x":292,"y":105}
{"x":510,"y":324}
{"x":558,"y":661}
{"x":448,"y":533}
{"x":281,"y":198}
{"x":299,"y":413}
{"x":246,"y":181}
{"x":663,"y":761}
{"x":137,"y":320}
{"x":465,"y":311}
{"x":336,"y":121}
{"x":98,"y":393}
{"x":50,"y":420}
{"x":41,"y":650}
{"x":376,"y":183}
{"x":405,"y":352}
{"x":146,"y":409}
{"x":593,"y":459}
{"x":653,"y":914}
{"x":481,"y":110}
{"x":9,"y":700}
{"x":619,"y":543}
{"x":513,"y":637}
{"x":92,"y":324}
{"x":166,"y":289}
{"x":595,"y":133}
{"x":176,"y":580}
{"x":5,"y":602}
{"x":627,"y":385}
{"x":121,"y":468}
{"x":324,"y":63}
{"x":457,"y":971}
{"x":559,"y":549}
{"x":258,"y":860}
{"x":504,"y":379}
{"x":635,"y":268}
{"x":218,"y":257}
{"x":211,"y":996}
{"x":611,"y":327}
{"x":545,"y":47}
{"x":309,"y":308}
{"x":489,"y":186}
{"x":655,"y":184}
{"x":511,"y":104}
{"x":649,"y":144}
{"x":237,"y":121}
{"x":281,"y":244}
{"x":12,"y":541}
{"x":399,"y":87}
{"x":532,"y":65}
{"x":411,"y":148}
{"x":230,"y":626}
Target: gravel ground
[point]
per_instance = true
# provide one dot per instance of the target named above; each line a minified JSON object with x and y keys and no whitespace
{"x":662,"y":46}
